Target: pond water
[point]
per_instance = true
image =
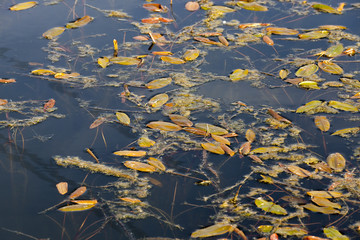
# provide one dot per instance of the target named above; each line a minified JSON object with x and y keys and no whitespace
{"x":173,"y":203}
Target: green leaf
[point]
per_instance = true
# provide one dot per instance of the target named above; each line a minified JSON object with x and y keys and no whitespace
{"x":325,"y":8}
{"x":252,"y":6}
{"x":334,"y":51}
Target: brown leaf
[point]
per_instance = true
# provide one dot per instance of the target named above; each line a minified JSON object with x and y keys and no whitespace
{"x":278,"y":117}
{"x":62,"y":187}
{"x":97,"y":122}
{"x":78,"y":192}
{"x":192,"y":6}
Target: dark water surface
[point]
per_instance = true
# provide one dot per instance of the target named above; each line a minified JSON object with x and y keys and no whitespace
{"x":28,"y":174}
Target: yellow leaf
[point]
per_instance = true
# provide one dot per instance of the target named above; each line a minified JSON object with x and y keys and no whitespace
{"x":336,"y":161}
{"x":180,"y":120}
{"x":62,"y":187}
{"x":330,"y":67}
{"x":66,"y":75}
{"x":306,"y":70}
{"x":214,"y":230}
{"x":322,"y":123}
{"x":220,"y":139}
{"x":266,"y":150}
{"x":23,"y":6}
{"x":324,"y":202}
{"x":291,"y":231}
{"x":158,"y":100}
{"x":172,"y":60}
{"x":156,"y":163}
{"x":164,"y":126}
{"x":281,"y":31}
{"x":309,"y":85}
{"x":80,"y":22}
{"x":196,"y":131}
{"x":139,"y":166}
{"x":191,"y":55}
{"x":270,"y":207}
{"x":343,"y":106}
{"x":283,"y":73}
{"x":309,"y":106}
{"x":43,"y":72}
{"x":250,"y":135}
{"x":344,"y":132}
{"x":103,"y":62}
{"x":325,"y":194}
{"x":131,"y":200}
{"x":314,"y":34}
{"x":129,"y":153}
{"x":53,"y":32}
{"x":299,"y":171}
{"x":158,"y":83}
{"x":238,"y":74}
{"x":125,"y":60}
{"x":76,"y":207}
{"x":252,"y":6}
{"x":123,"y":118}
{"x":85,"y":201}
{"x":325,"y":210}
{"x":212,"y":147}
{"x":145,"y":142}
{"x":211,"y":128}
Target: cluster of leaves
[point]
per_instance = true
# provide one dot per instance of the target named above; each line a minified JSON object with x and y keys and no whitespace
{"x":268,"y":137}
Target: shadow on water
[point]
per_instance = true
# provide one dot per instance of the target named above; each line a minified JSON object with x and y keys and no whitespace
{"x":199,"y":188}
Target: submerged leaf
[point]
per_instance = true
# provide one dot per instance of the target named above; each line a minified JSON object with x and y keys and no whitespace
{"x":214,"y":230}
{"x":299,"y":171}
{"x":80,"y":22}
{"x":346,"y":131}
{"x":322,"y":123}
{"x":250,"y":135}
{"x":324,"y":202}
{"x":192,"y":6}
{"x":270,"y":207}
{"x":266,"y":150}
{"x":283,"y":73}
{"x":154,"y":7}
{"x":23,"y":6}
{"x":139,"y":166}
{"x":43,"y":72}
{"x":309,"y":85}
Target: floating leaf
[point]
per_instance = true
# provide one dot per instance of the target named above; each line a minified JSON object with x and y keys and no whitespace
{"x":164,"y":126}
{"x":281,"y":31}
{"x":334,"y":51}
{"x":192,"y":6}
{"x":125,"y":60}
{"x":245,"y":148}
{"x":309,"y":85}
{"x":130,"y":200}
{"x":43,"y":72}
{"x":250,"y":135}
{"x":299,"y":171}
{"x":343,"y":106}
{"x":156,"y":163}
{"x":265,"y":228}
{"x":11,"y":80}
{"x":87,"y":202}
{"x":49,"y":104}
{"x":324,"y":202}
{"x":322,"y":123}
{"x":123,"y":118}
{"x":268,"y":40}
{"x":23,"y":6}
{"x":103,"y":62}
{"x":309,"y":106}
{"x":66,"y":75}
{"x":334,"y":234}
{"x":162,"y":53}
{"x":252,"y":6}
{"x":314,"y":238}
{"x":253,"y":25}
{"x":211,"y":128}
{"x":129,"y":153}
{"x":220,"y":139}
{"x":196,"y":131}
{"x":227,"y":149}
{"x":78,"y":192}
{"x":76,"y":207}
{"x":278,"y":117}
{"x":206,"y":40}
{"x":154,"y":7}
{"x":238,"y":74}
{"x":191,"y":55}
{"x":97,"y":122}
{"x":214,"y":230}
{"x":332,"y":27}
{"x":270,"y":207}
{"x":3,"y":102}
{"x":53,"y":32}
{"x":336,"y":161}
{"x":307,"y":70}
{"x":330,"y":67}
{"x":346,"y":131}
{"x":223,"y":40}
{"x":325,"y":210}
{"x":325,"y":194}
{"x":62,"y":187}
{"x":214,"y":148}
{"x":180,"y":120}
{"x":80,"y":22}
{"x":314,"y":34}
{"x":325,"y":8}
{"x":291,"y":231}
{"x":266,"y":150}
{"x":158,"y":83}
{"x":145,"y":142}
{"x":158,"y":100}
{"x":172,"y":60}
{"x":139,"y":166}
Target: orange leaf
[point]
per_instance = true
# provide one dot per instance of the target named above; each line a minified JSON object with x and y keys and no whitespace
{"x":322,"y":123}
{"x":214,"y":148}
{"x":268,"y":40}
{"x":49,"y":104}
{"x":62,"y":187}
{"x":164,"y":126}
{"x":154,"y":7}
{"x":129,"y":153}
{"x":192,"y":6}
{"x":97,"y":122}
{"x":180,"y":120}
{"x":139,"y":166}
{"x":11,"y":80}
{"x":3,"y":102}
{"x":85,"y":201}
{"x":78,"y":192}
{"x":131,"y":200}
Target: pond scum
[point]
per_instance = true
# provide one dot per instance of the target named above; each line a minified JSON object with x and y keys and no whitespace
{"x":285,"y":170}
